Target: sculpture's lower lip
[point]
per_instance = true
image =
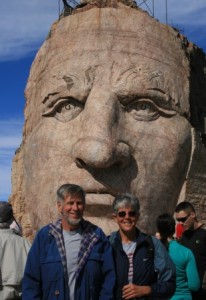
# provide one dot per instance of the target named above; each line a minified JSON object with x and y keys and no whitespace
{"x":99,"y":198}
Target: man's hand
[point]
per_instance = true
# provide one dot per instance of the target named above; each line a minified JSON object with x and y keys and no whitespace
{"x":130,"y":291}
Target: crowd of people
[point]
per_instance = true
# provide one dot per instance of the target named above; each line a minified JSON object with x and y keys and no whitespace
{"x":73,"y":258}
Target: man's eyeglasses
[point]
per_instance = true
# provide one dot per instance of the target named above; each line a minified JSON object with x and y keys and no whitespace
{"x":123,"y":214}
{"x":183,"y":219}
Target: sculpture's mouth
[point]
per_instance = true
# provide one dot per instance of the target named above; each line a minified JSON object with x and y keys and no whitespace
{"x":93,"y":187}
{"x":99,"y":204}
{"x":101,"y":198}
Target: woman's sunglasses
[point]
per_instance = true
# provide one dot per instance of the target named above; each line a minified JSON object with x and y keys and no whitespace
{"x":122,"y":214}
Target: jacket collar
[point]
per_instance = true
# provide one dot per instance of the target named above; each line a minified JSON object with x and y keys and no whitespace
{"x":141,"y":237}
{"x":89,"y":238}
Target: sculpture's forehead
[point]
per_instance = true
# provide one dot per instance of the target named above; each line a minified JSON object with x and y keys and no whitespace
{"x":115,"y":71}
{"x":115,"y":45}
{"x":110,"y":47}
{"x":106,"y":60}
{"x":115,"y":31}
{"x":114,"y":38}
{"x":121,"y":73}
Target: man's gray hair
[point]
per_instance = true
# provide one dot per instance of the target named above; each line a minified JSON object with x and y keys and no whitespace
{"x":70,"y":189}
{"x":126,"y":200}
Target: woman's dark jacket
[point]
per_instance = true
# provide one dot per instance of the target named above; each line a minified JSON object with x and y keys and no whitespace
{"x":151,"y":266}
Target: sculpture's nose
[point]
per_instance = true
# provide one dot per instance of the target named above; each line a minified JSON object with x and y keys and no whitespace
{"x":99,"y":144}
{"x":101,"y":153}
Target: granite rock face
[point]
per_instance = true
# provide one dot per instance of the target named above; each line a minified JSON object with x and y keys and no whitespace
{"x":111,"y":104}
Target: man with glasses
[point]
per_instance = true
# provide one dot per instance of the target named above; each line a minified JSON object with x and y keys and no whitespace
{"x":143,"y":266}
{"x":194,"y":237}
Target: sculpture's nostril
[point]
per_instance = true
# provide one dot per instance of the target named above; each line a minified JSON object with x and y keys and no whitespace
{"x":80,"y":163}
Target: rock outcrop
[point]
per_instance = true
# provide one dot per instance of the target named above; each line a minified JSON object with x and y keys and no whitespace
{"x":115,"y":102}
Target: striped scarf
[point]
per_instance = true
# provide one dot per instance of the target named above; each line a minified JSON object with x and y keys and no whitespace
{"x":89,"y":239}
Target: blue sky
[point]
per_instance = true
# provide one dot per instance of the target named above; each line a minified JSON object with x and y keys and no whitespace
{"x":24,"y":26}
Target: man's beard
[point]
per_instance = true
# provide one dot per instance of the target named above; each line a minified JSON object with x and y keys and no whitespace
{"x":73,"y":222}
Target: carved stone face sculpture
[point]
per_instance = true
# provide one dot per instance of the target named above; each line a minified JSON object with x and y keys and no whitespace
{"x":107,"y":107}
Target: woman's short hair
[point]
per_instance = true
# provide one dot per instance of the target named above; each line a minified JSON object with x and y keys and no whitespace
{"x":126,"y":200}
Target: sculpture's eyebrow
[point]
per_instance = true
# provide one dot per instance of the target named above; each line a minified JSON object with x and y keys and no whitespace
{"x":159,"y":96}
{"x":76,"y":86}
{"x":162,"y":98}
{"x":140,"y":82}
{"x":60,"y":92}
{"x":52,"y":97}
{"x":63,"y":92}
{"x":165,"y":100}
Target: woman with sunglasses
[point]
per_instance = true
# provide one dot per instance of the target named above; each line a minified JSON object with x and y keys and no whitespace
{"x":187,"y":278}
{"x":143,"y":267}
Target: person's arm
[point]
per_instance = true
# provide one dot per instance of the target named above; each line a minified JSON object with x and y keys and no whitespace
{"x":193,"y":279}
{"x":131,"y":291}
{"x":108,"y":271}
{"x":31,"y":284}
{"x":166,"y":283}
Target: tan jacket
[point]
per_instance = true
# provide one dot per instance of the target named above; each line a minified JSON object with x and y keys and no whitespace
{"x":13,"y":255}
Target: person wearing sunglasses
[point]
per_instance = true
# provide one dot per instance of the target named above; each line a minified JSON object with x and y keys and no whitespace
{"x":193,"y":237}
{"x":187,"y":278}
{"x":143,"y":266}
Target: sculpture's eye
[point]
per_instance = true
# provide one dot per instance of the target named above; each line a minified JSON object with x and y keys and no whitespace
{"x":144,"y":106}
{"x":143,"y":110}
{"x":65,"y":110}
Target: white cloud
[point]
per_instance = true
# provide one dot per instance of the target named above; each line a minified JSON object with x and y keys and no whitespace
{"x":10,"y":137}
{"x":25,"y":24}
{"x":10,"y":140}
{"x":187,"y":12}
{"x":179,"y":11}
{"x":187,"y":16}
{"x":5,"y":182}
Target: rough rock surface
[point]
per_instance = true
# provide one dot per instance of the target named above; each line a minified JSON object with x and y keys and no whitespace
{"x":112,"y":101}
